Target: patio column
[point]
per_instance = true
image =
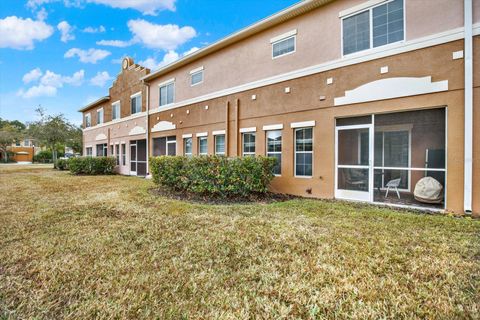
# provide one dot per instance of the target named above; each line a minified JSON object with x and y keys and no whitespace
{"x":468,"y":166}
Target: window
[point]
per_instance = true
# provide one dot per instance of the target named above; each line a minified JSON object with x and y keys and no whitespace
{"x":165,"y":146}
{"x":88,"y":121}
{"x":248,"y":144}
{"x":124,"y":154}
{"x":220,"y":145}
{"x":196,"y":78}
{"x":136,"y":103}
{"x":274,"y":149}
{"x":167,"y":93}
{"x":111,"y":150}
{"x":102,"y":150}
{"x":88,"y":151}
{"x":202,"y":146}
{"x":283,"y":47}
{"x":116,"y":110}
{"x":374,"y":27}
{"x":303,"y":152}
{"x":26,"y":143}
{"x":187,"y":147}
{"x":117,"y":154}
{"x":100,"y":116}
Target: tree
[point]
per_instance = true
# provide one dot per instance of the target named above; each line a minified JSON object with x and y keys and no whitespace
{"x":8,"y":135}
{"x":51,"y":131}
{"x":76,"y":139}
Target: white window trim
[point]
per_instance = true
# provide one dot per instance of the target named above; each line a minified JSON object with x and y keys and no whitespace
{"x":88,"y":123}
{"x":170,"y":142}
{"x":274,"y":152}
{"x":360,"y":7}
{"x":215,"y":144}
{"x":202,"y":134}
{"x":191,"y":77}
{"x":244,"y":153}
{"x":304,"y":124}
{"x":295,"y":153}
{"x":186,"y":136}
{"x":273,"y":127}
{"x":248,"y":130}
{"x":198,"y":140}
{"x":164,"y":84}
{"x":102,"y":117}
{"x":288,"y":53}
{"x":139,"y":93}
{"x":218,"y":132}
{"x":370,"y":9}
{"x":196,"y":70}
{"x":285,"y":36}
{"x":119,"y":108}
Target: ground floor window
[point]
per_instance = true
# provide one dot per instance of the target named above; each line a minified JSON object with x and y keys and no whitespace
{"x":124,"y":154}
{"x":274,"y":149}
{"x":88,"y":151}
{"x":220,"y":144}
{"x":165,"y":146}
{"x":303,"y":152}
{"x":112,"y":151}
{"x":117,"y":154}
{"x":202,"y":146}
{"x":101,"y":150}
{"x":187,"y":147}
{"x":248,"y":145}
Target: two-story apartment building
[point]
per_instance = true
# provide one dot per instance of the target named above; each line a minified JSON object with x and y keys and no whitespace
{"x":355,"y":98}
{"x":116,"y":125}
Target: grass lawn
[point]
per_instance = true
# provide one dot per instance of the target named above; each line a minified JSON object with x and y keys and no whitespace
{"x":104,"y":247}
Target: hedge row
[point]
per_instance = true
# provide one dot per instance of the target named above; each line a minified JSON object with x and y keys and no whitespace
{"x":61,"y":164}
{"x":213,"y":175}
{"x":91,"y":165}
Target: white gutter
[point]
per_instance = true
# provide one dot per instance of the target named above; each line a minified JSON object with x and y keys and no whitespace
{"x":468,"y":166}
{"x":147,"y":101}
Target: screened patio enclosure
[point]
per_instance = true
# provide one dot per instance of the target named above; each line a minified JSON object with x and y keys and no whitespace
{"x":396,"y":158}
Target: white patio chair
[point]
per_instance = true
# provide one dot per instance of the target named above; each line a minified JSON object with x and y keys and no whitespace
{"x":393,"y":184}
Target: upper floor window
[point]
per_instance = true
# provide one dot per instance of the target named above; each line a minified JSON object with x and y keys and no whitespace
{"x":374,"y":27}
{"x":283,"y":46}
{"x":100,"y":116}
{"x":116,"y":110}
{"x":196,"y":76}
{"x":88,"y":121}
{"x":167,"y":93}
{"x":136,"y":103}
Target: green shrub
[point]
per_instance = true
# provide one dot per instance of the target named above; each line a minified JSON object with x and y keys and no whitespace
{"x":61,"y":164}
{"x":91,"y":165}
{"x":213,"y":175}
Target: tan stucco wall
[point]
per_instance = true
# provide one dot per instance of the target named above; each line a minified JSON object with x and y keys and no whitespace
{"x":273,"y":106}
{"x":318,"y":41}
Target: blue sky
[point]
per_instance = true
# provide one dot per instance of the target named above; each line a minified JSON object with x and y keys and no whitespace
{"x":63,"y":54}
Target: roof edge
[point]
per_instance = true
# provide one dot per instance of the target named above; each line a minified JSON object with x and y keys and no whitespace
{"x":94,"y":103}
{"x":286,"y":14}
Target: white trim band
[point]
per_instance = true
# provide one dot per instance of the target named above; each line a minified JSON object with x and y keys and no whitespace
{"x":359,"y":7}
{"x":202,"y":134}
{"x":136,"y":94}
{"x":218,"y":132}
{"x":273,"y":127}
{"x":304,"y":124}
{"x":186,"y":136}
{"x":166,"y":82}
{"x":247,"y":130}
{"x":196,"y":70}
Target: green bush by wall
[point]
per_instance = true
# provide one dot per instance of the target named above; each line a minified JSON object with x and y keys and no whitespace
{"x":91,"y":165}
{"x":213,"y":175}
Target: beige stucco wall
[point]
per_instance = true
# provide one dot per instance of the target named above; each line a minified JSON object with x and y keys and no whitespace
{"x":318,"y":41}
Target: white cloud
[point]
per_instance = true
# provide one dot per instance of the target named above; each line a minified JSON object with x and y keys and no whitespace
{"x":192,"y":50}
{"x":66,"y":31}
{"x":147,"y":7}
{"x":87,"y":56}
{"x":42,"y":14}
{"x":165,"y":37}
{"x":100,"y":29}
{"x":100,"y":79}
{"x":48,"y":83}
{"x":32,"y":75}
{"x":114,"y":43}
{"x":18,"y":33}
{"x":38,"y":91}
{"x":33,"y":4}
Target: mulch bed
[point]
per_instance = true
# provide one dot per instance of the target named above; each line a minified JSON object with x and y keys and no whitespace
{"x":266,"y":198}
